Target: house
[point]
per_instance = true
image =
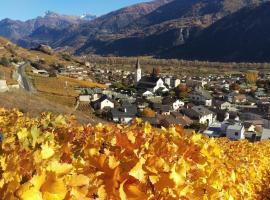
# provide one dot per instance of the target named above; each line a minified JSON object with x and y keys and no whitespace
{"x":175,"y":82}
{"x":193,"y":83}
{"x":178,"y":104}
{"x":175,"y":104}
{"x":214,"y":130}
{"x":265,"y":134}
{"x":235,"y":131}
{"x":264,"y":108}
{"x":154,"y":121}
{"x":172,"y":82}
{"x":103,"y":102}
{"x":41,"y":72}
{"x":223,"y":115}
{"x":167,"y":81}
{"x":85,"y":98}
{"x":185,"y":120}
{"x":3,"y":86}
{"x":222,"y":105}
{"x":200,"y":114}
{"x":255,"y":126}
{"x":201,"y":97}
{"x":167,"y":121}
{"x":161,"y":109}
{"x":93,"y":93}
{"x":232,"y":129}
{"x":141,"y":103}
{"x":235,"y":97}
{"x":151,"y":83}
{"x":145,"y":93}
{"x":260,"y":94}
{"x":124,"y":114}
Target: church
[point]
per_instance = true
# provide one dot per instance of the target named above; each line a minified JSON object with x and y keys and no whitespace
{"x":150,"y":84}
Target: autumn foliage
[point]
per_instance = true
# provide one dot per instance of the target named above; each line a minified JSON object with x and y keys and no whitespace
{"x":148,"y":112}
{"x":235,"y":87}
{"x":252,"y":77}
{"x":53,"y":158}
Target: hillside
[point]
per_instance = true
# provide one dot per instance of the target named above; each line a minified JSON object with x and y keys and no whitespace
{"x":169,"y":25}
{"x":119,"y":19}
{"x":33,"y":105}
{"x":54,"y":94}
{"x":13,"y":52}
{"x":53,"y":157}
{"x":243,"y":36}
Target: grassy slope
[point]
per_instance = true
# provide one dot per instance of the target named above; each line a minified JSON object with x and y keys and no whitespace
{"x":6,"y":73}
{"x":53,"y":94}
{"x":34,"y":105}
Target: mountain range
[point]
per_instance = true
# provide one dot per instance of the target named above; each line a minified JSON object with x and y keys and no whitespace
{"x":188,"y":29}
{"x":20,"y":31}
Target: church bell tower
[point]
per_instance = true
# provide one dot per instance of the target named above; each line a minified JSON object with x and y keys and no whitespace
{"x":138,"y":73}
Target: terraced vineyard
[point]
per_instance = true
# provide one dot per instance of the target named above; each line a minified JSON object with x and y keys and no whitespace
{"x":54,"y":158}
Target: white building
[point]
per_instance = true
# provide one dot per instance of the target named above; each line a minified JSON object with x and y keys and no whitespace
{"x":172,"y":82}
{"x":222,"y":105}
{"x":102,"y":103}
{"x":147,"y":94}
{"x":123,"y":114}
{"x":176,"y":82}
{"x":167,"y":81}
{"x":151,"y":83}
{"x":40,"y":72}
{"x":3,"y":86}
{"x":235,"y":132}
{"x":85,"y":98}
{"x":178,"y":104}
{"x":200,"y":114}
{"x":201,"y":96}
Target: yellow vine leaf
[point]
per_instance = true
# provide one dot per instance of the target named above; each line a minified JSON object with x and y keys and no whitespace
{"x":138,"y":172}
{"x":78,"y":180}
{"x":46,"y":151}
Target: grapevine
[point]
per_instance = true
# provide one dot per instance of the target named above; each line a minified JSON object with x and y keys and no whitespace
{"x":54,"y":158}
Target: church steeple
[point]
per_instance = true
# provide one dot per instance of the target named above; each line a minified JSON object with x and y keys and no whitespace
{"x":138,"y":73}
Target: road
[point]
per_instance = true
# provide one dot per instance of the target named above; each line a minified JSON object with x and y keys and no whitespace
{"x":25,"y":81}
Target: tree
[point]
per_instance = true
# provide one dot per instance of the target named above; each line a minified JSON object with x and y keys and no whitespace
{"x":171,"y":93}
{"x":148,"y":112}
{"x":156,"y":71}
{"x":251,"y":77}
{"x":235,"y":87}
{"x":181,"y":91}
{"x":198,"y":127}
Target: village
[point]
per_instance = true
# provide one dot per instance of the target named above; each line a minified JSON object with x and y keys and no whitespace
{"x":236,"y":106}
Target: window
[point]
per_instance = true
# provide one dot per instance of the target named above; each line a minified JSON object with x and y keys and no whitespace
{"x":236,"y":134}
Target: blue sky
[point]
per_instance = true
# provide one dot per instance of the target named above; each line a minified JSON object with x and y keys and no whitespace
{"x":27,"y":9}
